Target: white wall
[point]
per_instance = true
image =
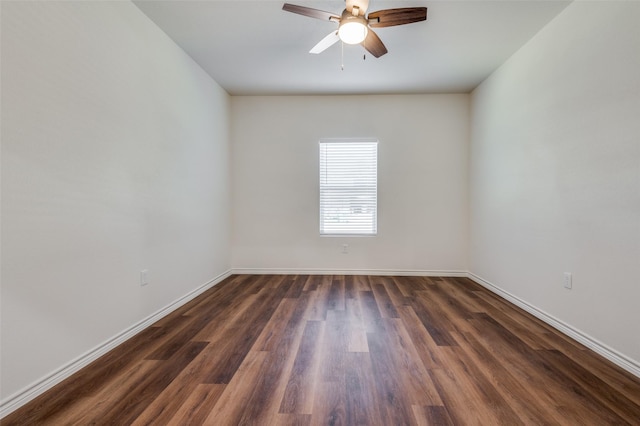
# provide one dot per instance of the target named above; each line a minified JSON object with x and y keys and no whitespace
{"x":555,"y":173}
{"x":114,"y":160}
{"x":422,"y":181}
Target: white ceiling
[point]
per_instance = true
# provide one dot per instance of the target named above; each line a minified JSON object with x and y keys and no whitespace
{"x":254,"y":47}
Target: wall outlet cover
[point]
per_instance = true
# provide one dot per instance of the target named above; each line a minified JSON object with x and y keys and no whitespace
{"x":568,"y":280}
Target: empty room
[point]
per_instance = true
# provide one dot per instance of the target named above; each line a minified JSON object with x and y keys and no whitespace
{"x":360,"y":212}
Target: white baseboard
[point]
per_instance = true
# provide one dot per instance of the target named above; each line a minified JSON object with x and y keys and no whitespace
{"x":380,"y":272}
{"x":20,"y":398}
{"x":595,"y":345}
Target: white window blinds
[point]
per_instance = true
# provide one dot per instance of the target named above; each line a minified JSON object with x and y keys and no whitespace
{"x":348,"y":187}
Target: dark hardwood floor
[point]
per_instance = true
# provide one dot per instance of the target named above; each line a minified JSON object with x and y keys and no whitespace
{"x":344,"y":350}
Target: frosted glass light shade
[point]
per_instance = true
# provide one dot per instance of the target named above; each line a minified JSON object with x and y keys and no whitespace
{"x":352,"y":32}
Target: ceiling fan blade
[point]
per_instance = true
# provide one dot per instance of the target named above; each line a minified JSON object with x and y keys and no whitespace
{"x":313,"y":13}
{"x":325,"y":43}
{"x":373,"y":44}
{"x":401,"y":16}
{"x":363,"y":5}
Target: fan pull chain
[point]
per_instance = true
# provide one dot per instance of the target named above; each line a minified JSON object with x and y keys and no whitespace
{"x":364,"y":44}
{"x":342,"y":56}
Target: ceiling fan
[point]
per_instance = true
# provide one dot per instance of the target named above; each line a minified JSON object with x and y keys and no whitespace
{"x":355,"y":26}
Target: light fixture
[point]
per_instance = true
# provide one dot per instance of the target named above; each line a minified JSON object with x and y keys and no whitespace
{"x":353,"y":29}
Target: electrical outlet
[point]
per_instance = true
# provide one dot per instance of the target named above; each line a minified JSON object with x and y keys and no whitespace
{"x":567,"y":280}
{"x":345,"y":248}
{"x":144,"y":277}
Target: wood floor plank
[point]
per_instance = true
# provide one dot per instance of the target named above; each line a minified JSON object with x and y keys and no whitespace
{"x":361,"y":283}
{"x":336,"y":296}
{"x":534,"y":332}
{"x":318,"y":305}
{"x":584,"y":379}
{"x":433,"y":320}
{"x":94,"y":378}
{"x":227,"y":319}
{"x":470,"y":399}
{"x":329,"y":407}
{"x":206,"y":298}
{"x":297,"y":286}
{"x":270,"y":387}
{"x":248,"y":329}
{"x":357,"y":340}
{"x":443,"y":305}
{"x":182,"y":333}
{"x":417,"y":386}
{"x":432,"y":416}
{"x":550,"y":384}
{"x":334,"y":349}
{"x":292,"y":420}
{"x":385,"y":305}
{"x":362,"y":401}
{"x":605,"y":370}
{"x":394,"y":407}
{"x":147,"y":389}
{"x":394,"y":292}
{"x":220,"y":297}
{"x":504,"y":314}
{"x":428,"y":350}
{"x":323,"y":349}
{"x":452,"y":316}
{"x":349,"y":287}
{"x":229,"y":408}
{"x":299,"y":393}
{"x":165,"y":406}
{"x":465,"y":302}
{"x":85,"y":410}
{"x":274,"y":330}
{"x":409,"y":285}
{"x":371,"y":317}
{"x":197,"y":407}
{"x":312,"y":283}
{"x":268,"y":390}
{"x":518,"y":395}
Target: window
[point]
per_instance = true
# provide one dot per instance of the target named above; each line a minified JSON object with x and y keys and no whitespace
{"x":348,"y":187}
